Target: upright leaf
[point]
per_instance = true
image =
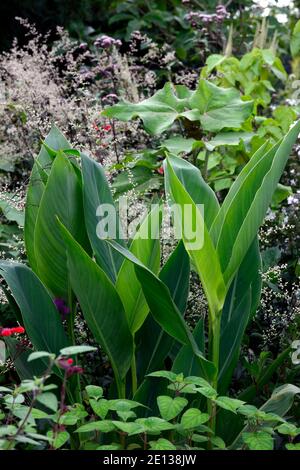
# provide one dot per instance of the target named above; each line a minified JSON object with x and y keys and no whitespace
{"x":146,"y":247}
{"x":56,"y":140}
{"x":163,"y":308}
{"x":191,"y":178}
{"x":202,"y":252}
{"x":96,"y":192}
{"x":153,"y":343}
{"x":101,"y":306}
{"x":245,"y":206}
{"x":62,"y":197}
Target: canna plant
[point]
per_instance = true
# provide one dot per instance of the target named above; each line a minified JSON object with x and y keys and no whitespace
{"x":117,"y":283}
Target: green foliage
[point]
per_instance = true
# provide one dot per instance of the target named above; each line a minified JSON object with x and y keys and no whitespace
{"x":216,"y":108}
{"x":176,"y":428}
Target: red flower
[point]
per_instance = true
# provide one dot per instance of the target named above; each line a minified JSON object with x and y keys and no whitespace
{"x":11,"y":331}
{"x":18,"y":329}
{"x":70,"y":361}
{"x":107,"y":128}
{"x":5,"y":332}
{"x":161,"y":170}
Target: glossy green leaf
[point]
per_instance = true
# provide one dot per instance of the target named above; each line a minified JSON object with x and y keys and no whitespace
{"x":217,"y":108}
{"x":185,"y":362}
{"x":258,"y":440}
{"x":146,"y":247}
{"x":101,"y":305}
{"x":240,"y":305}
{"x":71,"y":350}
{"x":229,"y":139}
{"x":56,"y":140}
{"x":157,"y":113}
{"x":295,"y":40}
{"x":193,"y":418}
{"x":199,"y":244}
{"x":154,"y":343}
{"x":245,"y":206}
{"x":191,"y":178}
{"x":163,"y":308}
{"x":101,"y":426}
{"x":169,"y":407}
{"x":63,"y":198}
{"x":162,"y":444}
{"x":96,"y":192}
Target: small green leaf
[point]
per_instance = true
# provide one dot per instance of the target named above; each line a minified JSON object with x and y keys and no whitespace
{"x":154,"y":424}
{"x":293,"y":446}
{"x":259,"y":440}
{"x":164,"y":374}
{"x":130,"y":428}
{"x":288,"y":429}
{"x":100,"y":407}
{"x":218,"y":442}
{"x":94,"y":391}
{"x":123,"y":405}
{"x":192,"y":418}
{"x":230,"y":404}
{"x":102,"y":426}
{"x":169,"y":407}
{"x":38,"y":354}
{"x":59,"y":439}
{"x":162,"y":444}
{"x":49,"y":400}
{"x":70,"y":350}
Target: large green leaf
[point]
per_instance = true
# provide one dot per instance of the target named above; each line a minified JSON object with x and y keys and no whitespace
{"x":217,"y":108}
{"x":185,"y":362}
{"x":146,"y":247}
{"x":95,"y":193}
{"x":164,"y":310}
{"x":245,"y":206}
{"x":153,"y":343}
{"x":241,"y":302}
{"x":101,"y":306}
{"x":192,"y":180}
{"x":56,"y":140}
{"x":201,"y":248}
{"x":41,"y":319}
{"x":295,"y":40}
{"x":62,"y":197}
{"x":157,"y":113}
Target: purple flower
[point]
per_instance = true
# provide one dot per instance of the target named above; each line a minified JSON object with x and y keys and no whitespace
{"x":106,"y":42}
{"x":61,"y":307}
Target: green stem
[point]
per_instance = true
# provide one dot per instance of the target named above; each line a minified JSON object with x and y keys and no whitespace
{"x":133,"y":374}
{"x":214,"y":347}
{"x":205,"y":169}
{"x":121,"y":387}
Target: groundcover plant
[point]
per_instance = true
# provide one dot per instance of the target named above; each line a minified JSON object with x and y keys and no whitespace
{"x":150,"y":277}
